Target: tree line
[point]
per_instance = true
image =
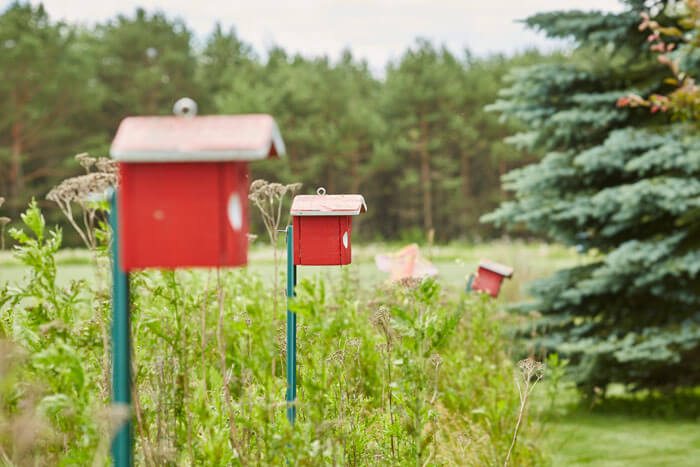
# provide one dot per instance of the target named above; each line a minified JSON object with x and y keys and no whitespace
{"x":415,"y":141}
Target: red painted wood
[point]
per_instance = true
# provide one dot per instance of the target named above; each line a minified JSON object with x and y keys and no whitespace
{"x":487,"y":281}
{"x":175,"y":214}
{"x":320,"y":240}
{"x":297,"y":239}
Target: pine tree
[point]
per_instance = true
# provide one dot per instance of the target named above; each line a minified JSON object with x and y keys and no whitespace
{"x":622,"y":184}
{"x":146,"y":64}
{"x":47,"y":88}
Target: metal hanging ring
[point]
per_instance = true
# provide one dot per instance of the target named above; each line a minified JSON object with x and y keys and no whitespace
{"x":185,"y":107}
{"x":321,"y":191}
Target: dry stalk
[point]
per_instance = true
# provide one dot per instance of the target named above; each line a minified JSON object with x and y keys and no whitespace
{"x":269,"y":198}
{"x":203,"y":343}
{"x":81,"y":191}
{"x":381,"y":320}
{"x":531,"y":372}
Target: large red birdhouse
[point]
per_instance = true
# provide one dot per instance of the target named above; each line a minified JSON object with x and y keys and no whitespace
{"x":183,"y":188}
{"x":323,"y":227}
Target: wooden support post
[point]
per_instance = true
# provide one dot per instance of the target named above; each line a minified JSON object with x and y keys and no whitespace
{"x":122,"y":452}
{"x":291,"y":330}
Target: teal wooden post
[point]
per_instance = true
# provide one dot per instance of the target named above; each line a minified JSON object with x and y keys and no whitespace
{"x":291,"y":330}
{"x":469,"y":283}
{"x":121,"y":347}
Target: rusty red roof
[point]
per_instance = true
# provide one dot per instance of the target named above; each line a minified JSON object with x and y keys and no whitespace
{"x":200,"y":138}
{"x":328,"y":205}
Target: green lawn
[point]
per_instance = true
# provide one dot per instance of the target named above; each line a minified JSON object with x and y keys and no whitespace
{"x":575,"y":439}
{"x":454,"y":263}
{"x":622,"y":440}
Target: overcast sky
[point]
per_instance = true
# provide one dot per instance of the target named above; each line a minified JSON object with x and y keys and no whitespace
{"x":378,"y":30}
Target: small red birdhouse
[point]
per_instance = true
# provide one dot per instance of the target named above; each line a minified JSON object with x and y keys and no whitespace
{"x":183,"y":189}
{"x":489,"y":277}
{"x":322,"y":227}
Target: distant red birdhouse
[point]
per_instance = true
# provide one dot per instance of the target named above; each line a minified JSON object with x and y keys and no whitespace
{"x":322,"y":227}
{"x":489,"y":277}
{"x":183,"y":190}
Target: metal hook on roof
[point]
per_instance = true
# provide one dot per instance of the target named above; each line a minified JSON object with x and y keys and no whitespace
{"x":321,"y":191}
{"x":185,"y":107}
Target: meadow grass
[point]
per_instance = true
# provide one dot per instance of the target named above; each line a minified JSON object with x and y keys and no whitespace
{"x":572,"y":437}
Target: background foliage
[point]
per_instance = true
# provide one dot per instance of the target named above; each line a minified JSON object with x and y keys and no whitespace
{"x":414,"y":139}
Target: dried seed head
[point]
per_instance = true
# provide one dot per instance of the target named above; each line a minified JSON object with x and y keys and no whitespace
{"x":410,"y":283}
{"x":4,"y":221}
{"x":262,"y":190}
{"x":531,"y":368}
{"x":435,"y":360}
{"x":257,"y":185}
{"x":107,"y":165}
{"x":85,"y":160}
{"x":381,"y":318}
{"x":276,"y":190}
{"x":78,"y":189}
{"x":354,"y":343}
{"x":336,"y":357}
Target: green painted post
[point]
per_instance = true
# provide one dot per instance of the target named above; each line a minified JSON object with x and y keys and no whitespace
{"x":121,"y":347}
{"x":291,"y":330}
{"x":469,"y":283}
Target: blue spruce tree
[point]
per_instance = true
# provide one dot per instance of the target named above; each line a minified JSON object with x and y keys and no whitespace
{"x":622,"y":183}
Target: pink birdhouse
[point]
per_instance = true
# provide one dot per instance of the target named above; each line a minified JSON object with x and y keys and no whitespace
{"x":489,"y":277}
{"x":323,"y":227}
{"x":183,"y":191}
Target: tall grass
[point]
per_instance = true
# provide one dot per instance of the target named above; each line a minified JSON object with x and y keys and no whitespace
{"x":402,"y":374}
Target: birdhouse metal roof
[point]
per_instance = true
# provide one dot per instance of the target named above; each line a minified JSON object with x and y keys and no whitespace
{"x":328,"y":205}
{"x":200,"y":138}
{"x":505,"y":271}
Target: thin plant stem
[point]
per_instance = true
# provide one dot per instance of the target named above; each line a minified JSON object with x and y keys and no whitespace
{"x":532,"y":373}
{"x":203,"y":342}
